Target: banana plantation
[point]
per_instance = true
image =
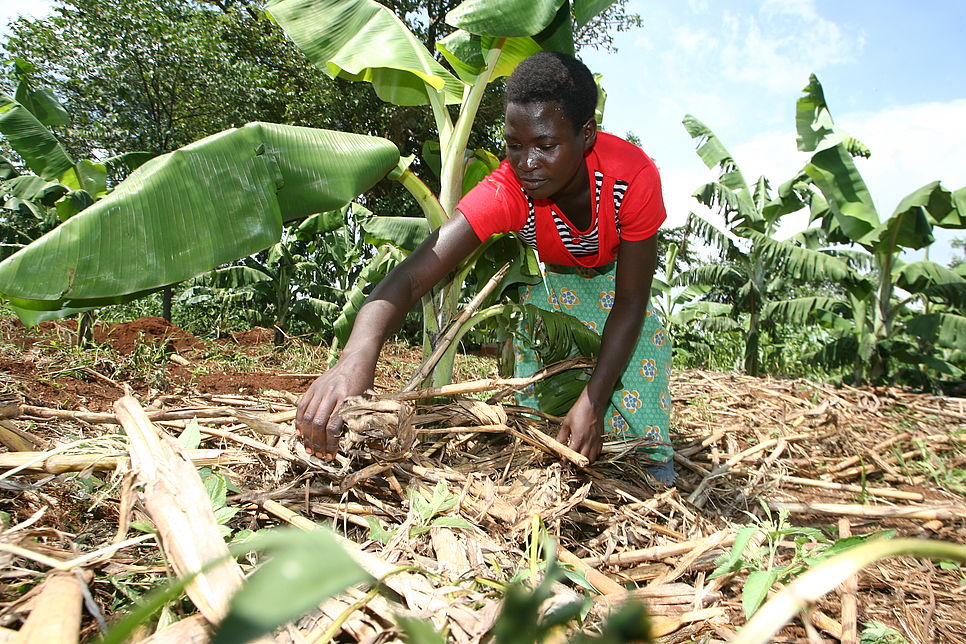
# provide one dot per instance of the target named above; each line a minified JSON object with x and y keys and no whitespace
{"x":196,"y":199}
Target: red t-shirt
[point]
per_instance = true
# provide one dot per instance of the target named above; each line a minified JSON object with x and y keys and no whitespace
{"x":628,"y":205}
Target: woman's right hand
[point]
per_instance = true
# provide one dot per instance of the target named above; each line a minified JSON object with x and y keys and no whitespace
{"x":383,"y":312}
{"x":316,"y":420}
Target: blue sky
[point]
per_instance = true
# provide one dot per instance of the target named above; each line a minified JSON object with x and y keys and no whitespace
{"x":894,"y":74}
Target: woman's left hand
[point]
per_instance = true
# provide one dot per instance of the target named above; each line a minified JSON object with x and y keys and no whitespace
{"x":582,"y":429}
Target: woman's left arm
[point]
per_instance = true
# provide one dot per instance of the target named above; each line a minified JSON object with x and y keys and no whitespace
{"x":583,"y":427}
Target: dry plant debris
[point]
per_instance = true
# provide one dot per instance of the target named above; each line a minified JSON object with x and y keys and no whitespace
{"x":749,"y":451}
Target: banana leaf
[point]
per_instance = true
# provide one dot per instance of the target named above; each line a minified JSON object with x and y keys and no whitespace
{"x":7,"y":171}
{"x":916,"y":277}
{"x":505,"y":18}
{"x":88,"y":176}
{"x":802,"y":263}
{"x":239,"y":276}
{"x":191,"y":210}
{"x":559,"y":34}
{"x":801,"y":310}
{"x":361,"y":40}
{"x":321,"y":223}
{"x":956,"y":218}
{"x":837,"y":353}
{"x":713,"y":152}
{"x":129,"y":161}
{"x":387,"y":258}
{"x":558,"y":393}
{"x":464,"y":52}
{"x":910,"y":226}
{"x":711,"y":274}
{"x":557,"y":335}
{"x":835,"y":174}
{"x":32,"y":188}
{"x":944,"y":329}
{"x":404,"y":232}
{"x":478,"y":167}
{"x":43,"y":105}
{"x":39,"y":149}
{"x":816,"y":129}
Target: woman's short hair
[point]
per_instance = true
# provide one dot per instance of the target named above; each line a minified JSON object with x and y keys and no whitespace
{"x":553,"y":77}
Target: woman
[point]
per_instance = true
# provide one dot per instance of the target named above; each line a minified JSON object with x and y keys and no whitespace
{"x":591,"y":204}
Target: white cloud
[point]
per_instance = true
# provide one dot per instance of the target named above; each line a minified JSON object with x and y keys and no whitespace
{"x":783,"y":43}
{"x":26,"y":8}
{"x":690,"y":41}
{"x":698,"y":6}
{"x":911,"y":145}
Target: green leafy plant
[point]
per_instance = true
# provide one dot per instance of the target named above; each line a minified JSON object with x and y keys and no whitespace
{"x":811,"y":547}
{"x":746,"y":278}
{"x":830,"y":573}
{"x":886,"y":310}
{"x":524,"y":620}
{"x":242,"y":185}
{"x":876,"y":632}
{"x":426,"y":514}
{"x":428,"y":511}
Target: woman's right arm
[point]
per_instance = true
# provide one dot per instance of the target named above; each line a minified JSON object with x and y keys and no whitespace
{"x":380,"y":317}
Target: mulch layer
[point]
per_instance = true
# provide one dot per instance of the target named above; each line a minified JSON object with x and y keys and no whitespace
{"x":806,"y":463}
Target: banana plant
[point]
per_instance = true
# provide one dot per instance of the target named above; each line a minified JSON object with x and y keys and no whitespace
{"x":58,"y":186}
{"x":749,"y":213}
{"x":667,"y":299}
{"x":890,"y":309}
{"x":272,"y":289}
{"x":227,"y":196}
{"x":490,"y":40}
{"x":33,"y":204}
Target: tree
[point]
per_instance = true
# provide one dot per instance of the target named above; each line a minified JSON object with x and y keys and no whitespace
{"x":958,"y":262}
{"x":230,"y":193}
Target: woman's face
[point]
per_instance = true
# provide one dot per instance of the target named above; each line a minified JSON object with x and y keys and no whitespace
{"x":543,"y":150}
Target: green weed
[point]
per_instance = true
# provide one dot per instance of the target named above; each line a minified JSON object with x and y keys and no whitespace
{"x":878,"y":633}
{"x":426,"y":514}
{"x":935,"y":467}
{"x":811,"y":546}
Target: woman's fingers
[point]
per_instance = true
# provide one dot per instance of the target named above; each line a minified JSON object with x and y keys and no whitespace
{"x":333,"y":431}
{"x":314,"y":416}
{"x":563,"y":436}
{"x":317,"y":419}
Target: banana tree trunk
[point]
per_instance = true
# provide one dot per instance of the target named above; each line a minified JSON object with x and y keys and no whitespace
{"x":751,"y":344}
{"x":860,"y":319}
{"x":167,"y":295}
{"x":283,"y":305}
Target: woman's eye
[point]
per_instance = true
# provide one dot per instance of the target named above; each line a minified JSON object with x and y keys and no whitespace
{"x":547,"y":148}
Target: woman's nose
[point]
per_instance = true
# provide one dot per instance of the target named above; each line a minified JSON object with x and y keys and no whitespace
{"x":529,"y":161}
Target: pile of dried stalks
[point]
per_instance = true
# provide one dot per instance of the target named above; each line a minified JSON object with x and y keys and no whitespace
{"x":857,"y":460}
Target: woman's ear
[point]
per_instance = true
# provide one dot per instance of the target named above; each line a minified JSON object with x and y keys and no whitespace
{"x":589,"y":132}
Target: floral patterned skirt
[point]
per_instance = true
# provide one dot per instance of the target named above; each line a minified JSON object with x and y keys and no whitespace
{"x":641,"y":405}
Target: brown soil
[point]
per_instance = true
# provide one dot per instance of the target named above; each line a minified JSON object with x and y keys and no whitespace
{"x":33,"y":366}
{"x":253,"y":337}
{"x":250,"y":383}
{"x":125,"y":336}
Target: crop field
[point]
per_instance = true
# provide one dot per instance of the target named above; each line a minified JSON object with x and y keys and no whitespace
{"x":447,"y":499}
{"x":211,"y":208}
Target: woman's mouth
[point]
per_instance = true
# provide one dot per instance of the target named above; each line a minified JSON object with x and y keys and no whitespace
{"x":532,"y":184}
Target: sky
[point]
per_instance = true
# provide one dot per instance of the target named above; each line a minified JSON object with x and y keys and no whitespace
{"x":894,"y":75}
{"x":893,"y":71}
